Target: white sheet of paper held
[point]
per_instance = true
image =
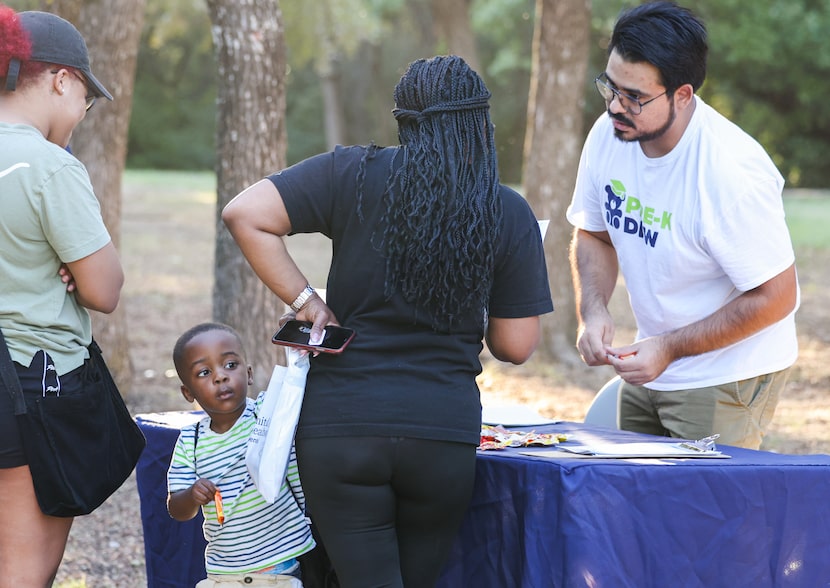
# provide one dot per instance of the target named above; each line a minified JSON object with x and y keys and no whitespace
{"x":543,"y":228}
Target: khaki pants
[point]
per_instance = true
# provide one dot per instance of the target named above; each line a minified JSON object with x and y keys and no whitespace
{"x":739,"y":411}
{"x":244,"y":580}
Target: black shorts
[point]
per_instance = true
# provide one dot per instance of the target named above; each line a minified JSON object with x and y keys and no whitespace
{"x":40,"y":376}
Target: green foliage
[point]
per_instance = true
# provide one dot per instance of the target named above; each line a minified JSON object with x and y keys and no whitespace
{"x":769,"y":71}
{"x":364,"y":53}
{"x":24,"y":4}
{"x":324,"y":29}
{"x":174,"y":102}
{"x":173,"y":119}
{"x":504,"y":30}
{"x":505,"y":27}
{"x":392,"y":38}
{"x":303,"y":116}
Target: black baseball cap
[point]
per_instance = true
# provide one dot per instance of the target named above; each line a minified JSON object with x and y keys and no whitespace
{"x":55,"y":40}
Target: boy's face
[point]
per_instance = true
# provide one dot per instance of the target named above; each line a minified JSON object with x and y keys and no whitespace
{"x":215,"y":375}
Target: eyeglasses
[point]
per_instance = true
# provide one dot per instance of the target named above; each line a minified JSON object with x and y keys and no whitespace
{"x":631,"y":104}
{"x":90,"y":98}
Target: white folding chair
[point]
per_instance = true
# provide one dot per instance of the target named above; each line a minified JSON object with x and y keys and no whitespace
{"x":603,"y":408}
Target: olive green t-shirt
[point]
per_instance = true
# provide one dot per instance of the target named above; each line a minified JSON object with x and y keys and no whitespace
{"x":48,"y":215}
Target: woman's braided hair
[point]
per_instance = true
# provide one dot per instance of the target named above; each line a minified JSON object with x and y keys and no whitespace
{"x":443,"y":211}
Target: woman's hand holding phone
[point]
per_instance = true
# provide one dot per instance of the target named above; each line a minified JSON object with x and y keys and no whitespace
{"x":316,"y":312}
{"x":295,"y":333}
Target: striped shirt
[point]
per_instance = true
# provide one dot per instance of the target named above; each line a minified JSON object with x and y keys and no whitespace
{"x":255,"y":535}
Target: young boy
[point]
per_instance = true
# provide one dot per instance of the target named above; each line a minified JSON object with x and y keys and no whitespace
{"x":250,"y":542}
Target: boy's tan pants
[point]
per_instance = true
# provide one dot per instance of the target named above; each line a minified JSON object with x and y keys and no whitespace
{"x":245,"y":580}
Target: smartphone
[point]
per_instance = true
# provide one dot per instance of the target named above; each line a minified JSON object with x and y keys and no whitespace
{"x":296,"y":333}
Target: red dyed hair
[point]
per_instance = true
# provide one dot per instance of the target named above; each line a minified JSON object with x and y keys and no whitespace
{"x":15,"y":44}
{"x":14,"y":41}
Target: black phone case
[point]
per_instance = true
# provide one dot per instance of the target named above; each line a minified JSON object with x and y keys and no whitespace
{"x":296,"y":333}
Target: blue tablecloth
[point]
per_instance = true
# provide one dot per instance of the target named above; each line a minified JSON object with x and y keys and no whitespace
{"x":758,"y":519}
{"x":174,"y":552}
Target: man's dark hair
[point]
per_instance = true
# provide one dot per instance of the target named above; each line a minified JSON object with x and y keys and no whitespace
{"x":667,"y":36}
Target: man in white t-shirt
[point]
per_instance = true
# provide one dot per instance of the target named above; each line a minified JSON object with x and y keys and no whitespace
{"x":689,"y":208}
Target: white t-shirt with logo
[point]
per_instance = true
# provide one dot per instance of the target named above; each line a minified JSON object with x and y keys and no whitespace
{"x":692,"y":230}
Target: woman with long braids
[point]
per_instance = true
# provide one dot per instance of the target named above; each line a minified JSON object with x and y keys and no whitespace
{"x":431,"y":255}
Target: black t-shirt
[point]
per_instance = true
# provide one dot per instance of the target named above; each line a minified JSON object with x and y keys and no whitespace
{"x":399,"y":376}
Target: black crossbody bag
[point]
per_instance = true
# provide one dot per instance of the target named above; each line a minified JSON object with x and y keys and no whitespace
{"x":80,"y":447}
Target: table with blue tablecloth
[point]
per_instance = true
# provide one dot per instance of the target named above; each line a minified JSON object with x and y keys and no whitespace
{"x":756,"y":519}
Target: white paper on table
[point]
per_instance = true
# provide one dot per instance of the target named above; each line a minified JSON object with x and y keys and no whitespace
{"x":601,"y":450}
{"x":513,"y":415}
{"x":543,"y":227}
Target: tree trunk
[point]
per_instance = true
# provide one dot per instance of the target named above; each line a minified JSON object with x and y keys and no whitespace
{"x":112,"y":30}
{"x":332,"y":112}
{"x":553,"y":143}
{"x":452,"y":24}
{"x":365,"y":100}
{"x":68,"y":9}
{"x":251,"y":142}
{"x":328,"y":70}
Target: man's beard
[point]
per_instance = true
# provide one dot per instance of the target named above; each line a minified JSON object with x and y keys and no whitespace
{"x":644,"y":137}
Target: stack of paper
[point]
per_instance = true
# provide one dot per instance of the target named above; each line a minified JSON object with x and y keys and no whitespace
{"x":657,"y":449}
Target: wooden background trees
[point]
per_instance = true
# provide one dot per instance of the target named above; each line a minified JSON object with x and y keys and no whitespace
{"x":251,"y":143}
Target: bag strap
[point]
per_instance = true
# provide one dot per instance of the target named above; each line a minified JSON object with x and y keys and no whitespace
{"x":10,"y":379}
{"x":195,"y":443}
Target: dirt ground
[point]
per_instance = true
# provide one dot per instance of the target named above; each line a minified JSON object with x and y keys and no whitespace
{"x":167,"y":251}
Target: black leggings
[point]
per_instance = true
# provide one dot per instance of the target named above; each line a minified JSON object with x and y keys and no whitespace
{"x":387,"y":508}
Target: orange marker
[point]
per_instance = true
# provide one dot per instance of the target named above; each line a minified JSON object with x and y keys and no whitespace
{"x":220,"y":511}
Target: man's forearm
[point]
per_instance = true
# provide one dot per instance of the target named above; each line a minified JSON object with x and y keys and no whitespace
{"x":594,"y":268}
{"x":744,"y":316}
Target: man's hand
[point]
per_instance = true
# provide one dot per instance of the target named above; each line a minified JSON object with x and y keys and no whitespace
{"x":593,"y":338}
{"x":642,"y":362}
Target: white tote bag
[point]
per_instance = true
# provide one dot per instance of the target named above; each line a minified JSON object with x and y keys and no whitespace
{"x":269,"y":445}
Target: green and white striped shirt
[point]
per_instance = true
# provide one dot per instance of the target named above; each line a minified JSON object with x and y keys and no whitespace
{"x":255,"y":535}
